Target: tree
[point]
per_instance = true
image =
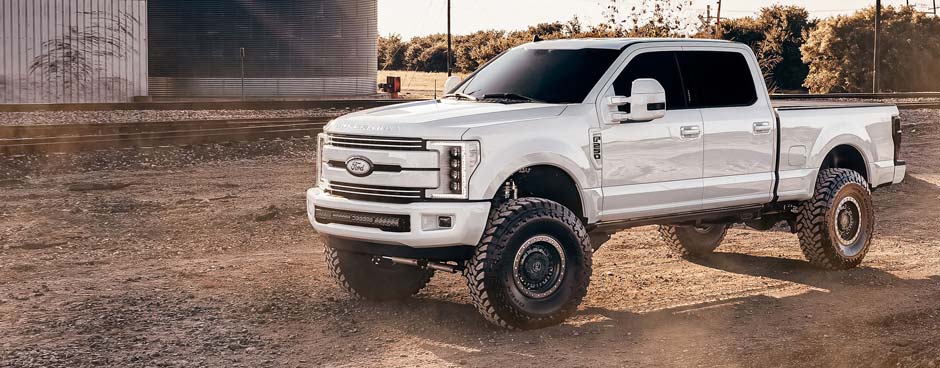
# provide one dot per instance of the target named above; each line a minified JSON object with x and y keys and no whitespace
{"x":840,"y":51}
{"x":427,"y":53}
{"x":473,"y":50}
{"x":654,"y":18}
{"x":775,"y":35}
{"x":391,"y":52}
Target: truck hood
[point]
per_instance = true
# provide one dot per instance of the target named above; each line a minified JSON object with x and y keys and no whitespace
{"x":444,"y":119}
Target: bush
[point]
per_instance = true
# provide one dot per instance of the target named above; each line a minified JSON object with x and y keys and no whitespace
{"x":840,"y":51}
{"x":427,"y":53}
{"x":775,"y":35}
{"x":391,"y":52}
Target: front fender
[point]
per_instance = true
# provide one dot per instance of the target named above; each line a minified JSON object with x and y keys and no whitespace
{"x":562,"y":142}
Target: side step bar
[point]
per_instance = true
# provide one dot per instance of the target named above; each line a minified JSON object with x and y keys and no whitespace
{"x":742,"y":213}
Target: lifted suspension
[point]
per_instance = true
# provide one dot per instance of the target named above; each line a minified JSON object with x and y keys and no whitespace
{"x":420,"y":263}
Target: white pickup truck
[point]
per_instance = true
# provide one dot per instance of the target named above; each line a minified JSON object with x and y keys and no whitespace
{"x":526,"y":167}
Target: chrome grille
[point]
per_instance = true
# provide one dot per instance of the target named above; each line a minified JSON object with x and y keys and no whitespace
{"x":377,"y":143}
{"x":375,"y":193}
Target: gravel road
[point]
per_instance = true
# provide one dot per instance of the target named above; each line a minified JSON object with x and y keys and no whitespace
{"x":212,"y":263}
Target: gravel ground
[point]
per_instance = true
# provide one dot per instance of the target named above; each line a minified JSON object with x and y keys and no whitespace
{"x":213,"y":263}
{"x":134,"y":116}
{"x":168,"y":157}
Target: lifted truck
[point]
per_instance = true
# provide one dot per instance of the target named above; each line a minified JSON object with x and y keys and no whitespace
{"x":519,"y":173}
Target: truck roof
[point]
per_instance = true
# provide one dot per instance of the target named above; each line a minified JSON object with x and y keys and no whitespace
{"x":611,"y":43}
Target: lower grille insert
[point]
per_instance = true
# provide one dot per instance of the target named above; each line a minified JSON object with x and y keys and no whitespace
{"x":390,"y":223}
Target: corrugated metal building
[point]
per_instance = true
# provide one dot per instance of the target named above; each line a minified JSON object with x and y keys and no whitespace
{"x":114,"y":50}
{"x":72,"y":50}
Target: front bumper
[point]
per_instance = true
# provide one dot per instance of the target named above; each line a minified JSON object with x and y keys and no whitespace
{"x":469,"y":221}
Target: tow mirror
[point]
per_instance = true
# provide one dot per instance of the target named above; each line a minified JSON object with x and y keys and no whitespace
{"x":647,"y":102}
{"x":450,"y":84}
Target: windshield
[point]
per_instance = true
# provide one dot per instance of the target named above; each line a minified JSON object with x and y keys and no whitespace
{"x":553,"y":76}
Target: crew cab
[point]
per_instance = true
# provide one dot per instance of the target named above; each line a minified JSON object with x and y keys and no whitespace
{"x":523,"y":169}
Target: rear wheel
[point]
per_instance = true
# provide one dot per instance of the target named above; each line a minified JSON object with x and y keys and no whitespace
{"x":690,"y":241}
{"x":364,"y":276}
{"x":835,"y":227}
{"x":532,"y":267}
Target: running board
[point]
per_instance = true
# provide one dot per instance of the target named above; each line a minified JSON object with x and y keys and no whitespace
{"x":737,"y":213}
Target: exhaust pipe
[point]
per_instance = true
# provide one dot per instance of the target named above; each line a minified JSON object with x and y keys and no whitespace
{"x":423,"y":264}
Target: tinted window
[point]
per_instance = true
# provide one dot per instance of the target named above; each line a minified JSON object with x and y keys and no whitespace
{"x":660,"y":66}
{"x":716,"y":79}
{"x":554,"y":76}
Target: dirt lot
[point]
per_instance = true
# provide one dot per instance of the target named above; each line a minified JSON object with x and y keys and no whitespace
{"x":213,"y":264}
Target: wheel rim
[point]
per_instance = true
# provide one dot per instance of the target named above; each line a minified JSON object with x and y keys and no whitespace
{"x":849,"y":226}
{"x":539,"y":266}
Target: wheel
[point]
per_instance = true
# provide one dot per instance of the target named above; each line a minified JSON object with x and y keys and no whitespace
{"x":364,"y":278}
{"x":532,"y":267}
{"x":835,"y":227}
{"x":693,"y":241}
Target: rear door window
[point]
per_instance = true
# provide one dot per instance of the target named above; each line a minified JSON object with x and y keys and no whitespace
{"x":717,"y":79}
{"x":662,"y":67}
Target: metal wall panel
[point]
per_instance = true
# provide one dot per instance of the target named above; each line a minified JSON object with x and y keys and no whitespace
{"x":67,"y":51}
{"x":292,"y":47}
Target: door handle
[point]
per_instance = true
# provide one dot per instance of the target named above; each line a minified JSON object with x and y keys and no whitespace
{"x":762,"y":127}
{"x":690,"y":131}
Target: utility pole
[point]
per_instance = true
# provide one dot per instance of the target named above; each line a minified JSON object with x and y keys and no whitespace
{"x":708,"y":14}
{"x":448,"y":39}
{"x":874,"y":71}
{"x":935,"y":8}
{"x":241,"y":51}
{"x":718,"y":20}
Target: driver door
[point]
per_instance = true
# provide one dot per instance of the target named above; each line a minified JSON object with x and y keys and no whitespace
{"x":651,"y":168}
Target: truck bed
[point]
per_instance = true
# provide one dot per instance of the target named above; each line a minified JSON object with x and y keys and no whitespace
{"x":812,"y":105}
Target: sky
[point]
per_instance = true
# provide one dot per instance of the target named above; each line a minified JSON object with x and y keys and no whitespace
{"x":411,"y":18}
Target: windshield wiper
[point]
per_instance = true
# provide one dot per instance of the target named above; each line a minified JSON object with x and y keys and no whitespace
{"x":510,"y":96}
{"x":459,"y":95}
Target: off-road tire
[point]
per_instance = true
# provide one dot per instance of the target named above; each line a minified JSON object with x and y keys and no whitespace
{"x":816,"y":222}
{"x":691,"y":242}
{"x":362,"y":278}
{"x":492,"y":276}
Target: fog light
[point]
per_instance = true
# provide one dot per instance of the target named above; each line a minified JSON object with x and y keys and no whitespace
{"x":445,"y":222}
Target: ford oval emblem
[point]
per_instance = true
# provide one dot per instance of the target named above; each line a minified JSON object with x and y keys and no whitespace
{"x":359,"y":166}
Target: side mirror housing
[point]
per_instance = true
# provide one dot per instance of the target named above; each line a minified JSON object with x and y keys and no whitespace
{"x":450,"y":84}
{"x":647,"y":102}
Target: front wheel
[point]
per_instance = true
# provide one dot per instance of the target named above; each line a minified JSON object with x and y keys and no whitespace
{"x":532,"y":267}
{"x":835,"y":227}
{"x":363,"y":277}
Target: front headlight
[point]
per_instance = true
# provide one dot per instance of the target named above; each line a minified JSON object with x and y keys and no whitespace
{"x":457,"y":161}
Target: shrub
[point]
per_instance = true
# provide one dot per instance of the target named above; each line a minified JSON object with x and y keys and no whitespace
{"x":840,"y":51}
